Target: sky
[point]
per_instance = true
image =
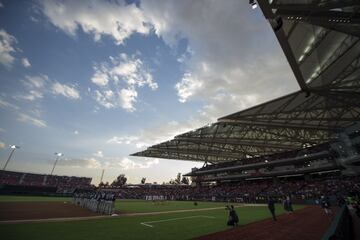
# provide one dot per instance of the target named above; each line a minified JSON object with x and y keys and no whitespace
{"x":99,"y":80}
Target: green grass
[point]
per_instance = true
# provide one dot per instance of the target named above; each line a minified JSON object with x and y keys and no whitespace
{"x":149,"y":206}
{"x":130,"y":228}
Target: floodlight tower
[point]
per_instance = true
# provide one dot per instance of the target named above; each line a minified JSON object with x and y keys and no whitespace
{"x":253,"y":4}
{"x":13,"y":147}
{"x":58,"y":155}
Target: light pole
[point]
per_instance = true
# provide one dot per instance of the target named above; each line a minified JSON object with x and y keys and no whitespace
{"x":13,"y":147}
{"x":58,"y":155}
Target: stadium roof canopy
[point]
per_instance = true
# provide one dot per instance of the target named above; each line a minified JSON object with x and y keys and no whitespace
{"x":321,"y":41}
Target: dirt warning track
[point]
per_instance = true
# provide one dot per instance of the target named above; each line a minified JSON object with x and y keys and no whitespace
{"x":41,"y":210}
{"x":309,"y":223}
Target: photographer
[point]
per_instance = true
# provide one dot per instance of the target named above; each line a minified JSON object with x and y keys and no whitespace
{"x":233,"y":219}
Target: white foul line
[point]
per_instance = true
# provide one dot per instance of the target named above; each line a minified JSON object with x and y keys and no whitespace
{"x":174,"y":219}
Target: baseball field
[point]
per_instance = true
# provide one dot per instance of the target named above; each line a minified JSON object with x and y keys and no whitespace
{"x":137,"y":219}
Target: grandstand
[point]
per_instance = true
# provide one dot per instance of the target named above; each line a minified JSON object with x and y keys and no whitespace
{"x":21,"y":182}
{"x":251,"y":190}
{"x":313,"y":131}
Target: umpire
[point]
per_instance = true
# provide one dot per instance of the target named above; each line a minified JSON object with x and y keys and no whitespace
{"x":271,"y":206}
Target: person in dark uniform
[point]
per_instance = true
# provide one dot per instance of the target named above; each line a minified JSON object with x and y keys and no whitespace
{"x":289,"y":204}
{"x":235,"y":217}
{"x":325,"y":204}
{"x":271,"y":206}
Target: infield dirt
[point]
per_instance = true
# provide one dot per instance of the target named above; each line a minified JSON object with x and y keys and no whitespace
{"x":41,"y":210}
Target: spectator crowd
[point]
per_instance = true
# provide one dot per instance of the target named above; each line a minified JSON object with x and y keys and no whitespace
{"x":64,"y":184}
{"x":246,"y":191}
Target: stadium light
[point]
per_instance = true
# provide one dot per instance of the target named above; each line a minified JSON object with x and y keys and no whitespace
{"x":253,"y":4}
{"x":58,"y":155}
{"x":13,"y":147}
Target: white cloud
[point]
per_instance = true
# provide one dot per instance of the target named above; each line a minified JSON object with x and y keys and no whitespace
{"x":65,"y":90}
{"x":5,"y":104}
{"x":117,"y":82}
{"x":2,"y":145}
{"x":233,"y":60}
{"x":36,"y":81}
{"x":99,"y":154}
{"x":6,"y":48}
{"x":39,"y":85}
{"x":36,"y":86}
{"x":25,"y":62}
{"x":115,"y":18}
{"x":22,"y":117}
{"x":123,"y":139}
{"x":157,"y":134}
{"x":231,"y":53}
{"x":100,"y":79}
{"x":113,"y":163}
{"x":187,"y":87}
{"x":32,"y":95}
{"x":80,"y":162}
{"x":76,"y":132}
{"x":127,"y":164}
{"x":128,"y":98}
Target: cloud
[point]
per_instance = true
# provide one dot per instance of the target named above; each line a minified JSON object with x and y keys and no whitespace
{"x":5,"y":104}
{"x":116,"y":82}
{"x":38,"y":81}
{"x":6,"y":48}
{"x":187,"y":87}
{"x":36,"y":86}
{"x":99,"y":154}
{"x":114,"y":163}
{"x":80,"y":162}
{"x":147,"y":137}
{"x":232,"y":51}
{"x":25,"y":62}
{"x":39,"y":85}
{"x":127,"y":164}
{"x":65,"y":90}
{"x":115,"y":19}
{"x":100,"y":78}
{"x":22,"y":117}
{"x":2,"y":145}
{"x":232,"y":60}
{"x":76,"y":132}
{"x":123,"y":139}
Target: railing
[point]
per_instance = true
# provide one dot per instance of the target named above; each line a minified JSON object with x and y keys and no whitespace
{"x":341,"y":227}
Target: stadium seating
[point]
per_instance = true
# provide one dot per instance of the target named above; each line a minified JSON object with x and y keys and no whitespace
{"x":249,"y":191}
{"x":63,"y":184}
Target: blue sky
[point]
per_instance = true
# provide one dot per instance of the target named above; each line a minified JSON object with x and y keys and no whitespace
{"x":99,"y":80}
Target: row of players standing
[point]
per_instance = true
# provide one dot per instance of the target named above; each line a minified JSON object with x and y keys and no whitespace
{"x":100,"y":202}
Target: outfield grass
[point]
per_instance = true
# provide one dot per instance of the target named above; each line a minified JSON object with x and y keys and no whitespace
{"x":131,"y":228}
{"x":149,"y":206}
{"x":185,"y":226}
